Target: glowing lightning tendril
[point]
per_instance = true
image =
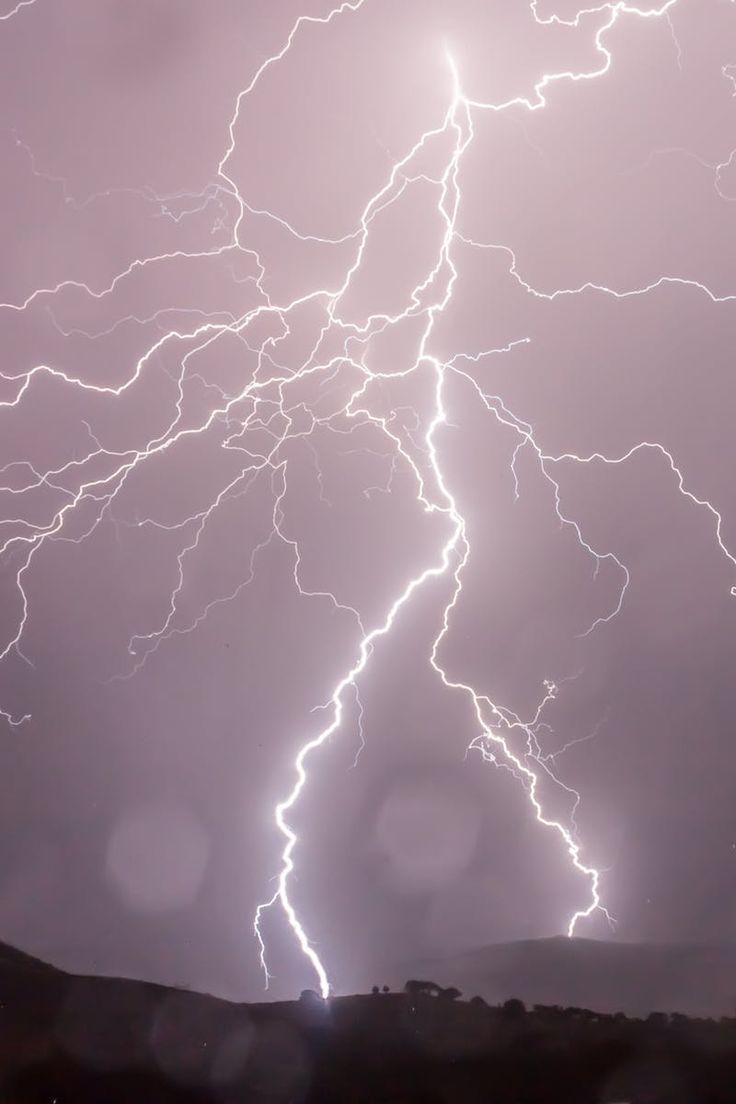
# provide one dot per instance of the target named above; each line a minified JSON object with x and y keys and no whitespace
{"x":502,"y":737}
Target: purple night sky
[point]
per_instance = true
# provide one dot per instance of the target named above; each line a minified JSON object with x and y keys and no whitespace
{"x":302,"y":305}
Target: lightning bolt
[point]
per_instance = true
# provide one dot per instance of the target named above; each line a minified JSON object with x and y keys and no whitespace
{"x":255,"y":425}
{"x":16,"y":9}
{"x":729,"y":74}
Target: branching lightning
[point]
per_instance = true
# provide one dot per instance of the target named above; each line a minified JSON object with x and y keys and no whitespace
{"x":259,"y":421}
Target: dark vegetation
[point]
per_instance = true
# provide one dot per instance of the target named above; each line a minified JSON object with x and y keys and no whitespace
{"x":67,"y":1040}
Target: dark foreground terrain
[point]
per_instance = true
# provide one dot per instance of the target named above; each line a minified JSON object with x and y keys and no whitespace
{"x":71,"y":1040}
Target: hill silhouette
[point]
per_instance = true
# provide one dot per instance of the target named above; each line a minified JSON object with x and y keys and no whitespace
{"x":635,"y":978}
{"x":86,"y":1040}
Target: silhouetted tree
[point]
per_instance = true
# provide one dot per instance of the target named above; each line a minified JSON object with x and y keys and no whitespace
{"x":386,"y":989}
{"x":375,"y":990}
{"x":415,"y":987}
{"x":451,"y":993}
{"x":514,"y":1008}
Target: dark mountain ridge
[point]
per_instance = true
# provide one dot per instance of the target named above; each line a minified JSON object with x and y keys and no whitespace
{"x":66,"y":1039}
{"x":636,"y":978}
